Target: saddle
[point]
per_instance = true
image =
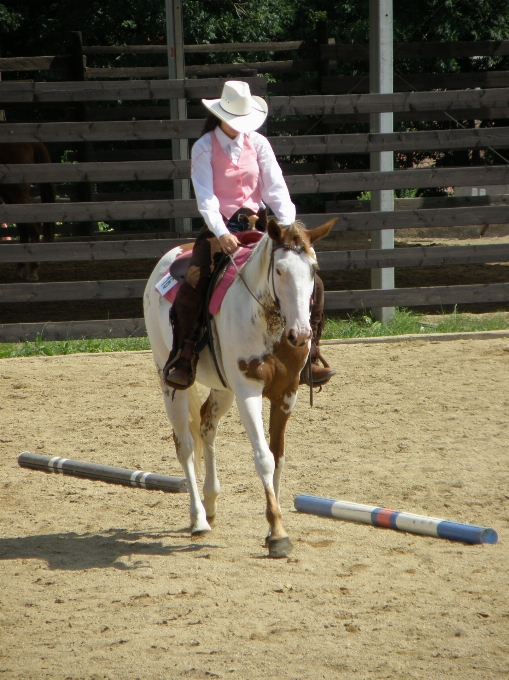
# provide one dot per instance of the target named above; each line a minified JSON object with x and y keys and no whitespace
{"x":222,"y":278}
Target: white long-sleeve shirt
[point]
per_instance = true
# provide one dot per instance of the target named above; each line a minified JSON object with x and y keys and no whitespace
{"x":272,"y":184}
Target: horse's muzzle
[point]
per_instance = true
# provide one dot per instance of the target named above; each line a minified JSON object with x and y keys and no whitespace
{"x":298,"y":339}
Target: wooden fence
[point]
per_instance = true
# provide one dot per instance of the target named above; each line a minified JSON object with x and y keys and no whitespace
{"x":303,"y":178}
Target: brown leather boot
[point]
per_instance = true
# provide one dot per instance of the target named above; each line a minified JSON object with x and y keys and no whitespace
{"x":180,"y":369}
{"x":179,"y":372}
{"x":321,"y":374}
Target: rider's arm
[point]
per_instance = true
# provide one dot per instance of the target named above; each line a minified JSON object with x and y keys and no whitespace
{"x":275,"y":193}
{"x":203,"y":182}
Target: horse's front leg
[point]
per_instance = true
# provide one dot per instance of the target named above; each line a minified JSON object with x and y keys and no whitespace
{"x":280,"y":411}
{"x":178,"y":414}
{"x":218,"y":403}
{"x":250,"y":410}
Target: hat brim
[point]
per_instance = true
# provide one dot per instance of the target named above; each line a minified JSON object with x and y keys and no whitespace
{"x":247,"y":123}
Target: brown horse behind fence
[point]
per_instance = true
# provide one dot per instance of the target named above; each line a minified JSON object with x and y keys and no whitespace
{"x":13,"y":154}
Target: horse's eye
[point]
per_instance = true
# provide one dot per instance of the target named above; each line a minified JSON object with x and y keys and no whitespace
{"x":278,"y":272}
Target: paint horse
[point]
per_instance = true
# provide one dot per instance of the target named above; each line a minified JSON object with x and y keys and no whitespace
{"x":263,"y":338}
{"x":13,"y":154}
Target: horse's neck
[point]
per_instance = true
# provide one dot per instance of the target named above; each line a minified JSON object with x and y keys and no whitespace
{"x":256,"y":270}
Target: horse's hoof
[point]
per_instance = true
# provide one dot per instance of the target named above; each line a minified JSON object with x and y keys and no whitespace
{"x":32,"y":277}
{"x":200,"y":529}
{"x":280,"y":547}
{"x":211,"y":520}
{"x":200,"y":532}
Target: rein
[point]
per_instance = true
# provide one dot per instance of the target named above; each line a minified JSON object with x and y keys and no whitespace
{"x":283,"y":246}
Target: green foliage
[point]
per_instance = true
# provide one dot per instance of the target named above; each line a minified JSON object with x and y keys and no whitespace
{"x":30,"y":27}
{"x":360,"y":325}
{"x":52,"y":348}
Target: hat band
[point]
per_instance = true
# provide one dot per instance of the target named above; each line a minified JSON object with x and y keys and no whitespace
{"x":232,"y":113}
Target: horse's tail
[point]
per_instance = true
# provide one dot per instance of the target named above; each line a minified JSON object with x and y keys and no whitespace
{"x":47,"y":191}
{"x":194,"y":426}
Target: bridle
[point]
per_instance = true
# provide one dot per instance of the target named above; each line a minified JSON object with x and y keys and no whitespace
{"x":277,"y":304}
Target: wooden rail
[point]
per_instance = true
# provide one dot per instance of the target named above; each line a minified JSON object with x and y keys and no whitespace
{"x":399,"y":179}
{"x":161,"y":209}
{"x":409,"y":82}
{"x":78,"y":290}
{"x":205,"y":70}
{"x":90,"y":251}
{"x":199,"y":49}
{"x":72,"y":330}
{"x":399,"y":102}
{"x":427,"y":50}
{"x":18,"y":91}
{"x":415,"y":297}
{"x":292,"y":105}
{"x":434,"y":140}
{"x":328,"y":260}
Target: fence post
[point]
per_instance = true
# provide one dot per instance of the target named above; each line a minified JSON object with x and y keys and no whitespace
{"x":322,"y":38}
{"x":381,"y":81}
{"x":77,"y":71}
{"x":178,"y":107}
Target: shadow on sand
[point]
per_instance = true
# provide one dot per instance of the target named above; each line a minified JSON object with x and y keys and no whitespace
{"x":70,"y":551}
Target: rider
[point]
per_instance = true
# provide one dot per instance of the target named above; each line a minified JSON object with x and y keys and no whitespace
{"x":235,"y":174}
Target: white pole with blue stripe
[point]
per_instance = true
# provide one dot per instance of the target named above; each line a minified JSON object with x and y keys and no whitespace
{"x":393,"y":519}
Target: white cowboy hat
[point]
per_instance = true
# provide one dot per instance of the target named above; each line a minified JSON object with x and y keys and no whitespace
{"x":238,"y":108}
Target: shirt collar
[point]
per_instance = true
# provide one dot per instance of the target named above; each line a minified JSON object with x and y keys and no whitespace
{"x":224,"y":140}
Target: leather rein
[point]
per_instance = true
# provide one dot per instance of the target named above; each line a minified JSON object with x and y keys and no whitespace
{"x":282,"y":246}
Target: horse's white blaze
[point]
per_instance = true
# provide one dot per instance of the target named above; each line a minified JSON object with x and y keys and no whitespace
{"x":293,"y":282}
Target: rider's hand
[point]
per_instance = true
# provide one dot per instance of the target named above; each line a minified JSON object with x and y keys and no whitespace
{"x":229,"y":243}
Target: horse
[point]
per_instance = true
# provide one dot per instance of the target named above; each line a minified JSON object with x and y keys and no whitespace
{"x":263,"y":335}
{"x":20,"y":193}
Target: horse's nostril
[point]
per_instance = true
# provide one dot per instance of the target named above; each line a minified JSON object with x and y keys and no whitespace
{"x":291,"y":338}
{"x":301,"y":344}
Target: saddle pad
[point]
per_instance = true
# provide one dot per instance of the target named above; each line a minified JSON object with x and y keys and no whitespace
{"x":170,"y":284}
{"x":168,"y":287}
{"x":241,"y":257}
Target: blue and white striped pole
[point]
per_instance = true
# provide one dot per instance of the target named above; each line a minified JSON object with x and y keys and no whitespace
{"x":393,"y":519}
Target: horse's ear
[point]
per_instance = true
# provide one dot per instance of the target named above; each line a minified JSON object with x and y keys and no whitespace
{"x":320,"y":232}
{"x":274,"y":231}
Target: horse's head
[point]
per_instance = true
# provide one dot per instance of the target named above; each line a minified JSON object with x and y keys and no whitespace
{"x":294,"y":267}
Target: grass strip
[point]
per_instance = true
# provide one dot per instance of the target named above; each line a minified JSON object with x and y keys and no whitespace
{"x":359,"y":325}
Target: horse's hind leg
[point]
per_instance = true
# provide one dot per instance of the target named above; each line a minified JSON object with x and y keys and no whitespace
{"x":218,"y":403}
{"x":177,"y":409}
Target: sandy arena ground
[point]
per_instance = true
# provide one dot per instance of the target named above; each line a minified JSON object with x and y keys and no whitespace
{"x":99,"y":581}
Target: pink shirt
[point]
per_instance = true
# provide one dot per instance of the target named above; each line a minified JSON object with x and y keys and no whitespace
{"x":271,"y":184}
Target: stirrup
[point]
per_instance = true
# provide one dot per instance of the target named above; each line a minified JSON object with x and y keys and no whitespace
{"x":169,"y":363}
{"x":187,"y":374}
